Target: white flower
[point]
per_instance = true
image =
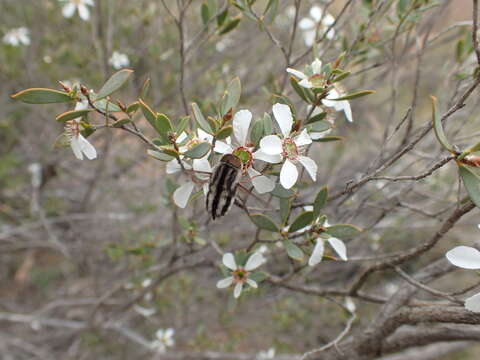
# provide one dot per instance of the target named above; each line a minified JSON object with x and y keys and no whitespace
{"x":305,"y":80}
{"x":119,"y":60}
{"x":266,"y":355}
{"x":80,"y":146}
{"x":342,"y":105}
{"x":467,"y":257}
{"x":337,"y":245}
{"x":241,"y":125}
{"x":240,"y":275}
{"x":146,"y":312}
{"x":314,"y":135}
{"x":17,"y":36}
{"x":201,"y":170}
{"x":287,"y":148}
{"x":309,"y":24}
{"x":164,"y":339}
{"x":80,"y":5}
{"x":309,"y":82}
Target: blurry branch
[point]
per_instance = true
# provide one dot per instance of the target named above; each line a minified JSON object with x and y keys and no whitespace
{"x":475,"y":31}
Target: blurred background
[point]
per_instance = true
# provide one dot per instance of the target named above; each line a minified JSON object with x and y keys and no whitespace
{"x":85,"y":268}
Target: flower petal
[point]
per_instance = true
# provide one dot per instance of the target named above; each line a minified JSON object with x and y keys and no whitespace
{"x":284,"y":118}
{"x":271,"y":145}
{"x":202,"y":135}
{"x":339,"y":247}
{"x":310,"y":166}
{"x":317,"y":66}
{"x":75,"y":145}
{"x":316,"y":13}
{"x":182,"y":194}
{"x":319,"y":135}
{"x":473,"y":303}
{"x":229,"y":261}
{"x":273,"y":159}
{"x":254,"y":261}
{"x":173,"y":166}
{"x":465,"y":257}
{"x":288,"y":174}
{"x":261,"y":183}
{"x":306,"y":24}
{"x":238,"y":290}
{"x":241,"y":124}
{"x":309,"y":37}
{"x":347,"y":110}
{"x":317,"y":253}
{"x":202,"y":165}
{"x":224,"y":283}
{"x":68,"y":10}
{"x":222,"y":148}
{"x":87,"y":148}
{"x":307,"y":84}
{"x":296,"y":73}
{"x":252,"y":283}
{"x":83,"y":12}
{"x":303,"y":138}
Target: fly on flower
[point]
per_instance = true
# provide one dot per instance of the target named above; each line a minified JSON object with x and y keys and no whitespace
{"x":223,"y":185}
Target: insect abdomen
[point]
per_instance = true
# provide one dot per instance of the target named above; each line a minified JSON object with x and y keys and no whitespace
{"x":222,"y":189}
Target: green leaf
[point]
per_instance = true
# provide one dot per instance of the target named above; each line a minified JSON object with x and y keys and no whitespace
{"x":298,"y":89}
{"x":73,"y":114}
{"x":105,"y":106}
{"x":224,"y":132}
{"x":471,"y":182}
{"x":320,"y":201}
{"x":205,"y":13}
{"x":149,"y":114}
{"x":270,"y":12}
{"x":42,"y":96}
{"x":169,"y":150}
{"x":121,"y":122}
{"x":115,"y":82}
{"x":329,"y":138}
{"x":204,"y":125}
{"x":182,"y":124}
{"x":285,"y":209}
{"x":437,"y":126}
{"x":317,"y":117}
{"x":341,"y":76}
{"x":163,"y":124}
{"x":343,"y":231}
{"x":133,"y":107}
{"x":159,"y":155}
{"x":282,"y":193}
{"x":302,"y":220}
{"x":354,"y":95}
{"x":198,"y":151}
{"x":319,"y":126}
{"x":222,"y":17}
{"x":256,"y":133}
{"x":264,"y":222}
{"x":267,"y":124}
{"x":232,"y":96}
{"x":62,"y":140}
{"x":145,"y":89}
{"x":230,"y":25}
{"x":258,"y":276}
{"x":293,"y":250}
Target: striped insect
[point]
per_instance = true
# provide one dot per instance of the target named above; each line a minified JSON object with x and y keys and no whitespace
{"x":224,"y":182}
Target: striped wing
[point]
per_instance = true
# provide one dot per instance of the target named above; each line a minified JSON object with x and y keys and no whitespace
{"x":222,"y":189}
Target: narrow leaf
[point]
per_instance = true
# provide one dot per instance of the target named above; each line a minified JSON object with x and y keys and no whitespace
{"x":354,"y":95}
{"x":293,"y":250}
{"x":301,"y":221}
{"x":204,"y":125}
{"x":343,"y":231}
{"x":73,"y":114}
{"x":198,"y":151}
{"x":42,"y":96}
{"x":264,"y":222}
{"x":437,"y":125}
{"x":471,"y":182}
{"x":320,"y":201}
{"x":115,"y":82}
